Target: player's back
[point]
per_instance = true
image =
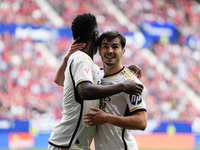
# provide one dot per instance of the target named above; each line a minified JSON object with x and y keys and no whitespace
{"x":71,"y":131}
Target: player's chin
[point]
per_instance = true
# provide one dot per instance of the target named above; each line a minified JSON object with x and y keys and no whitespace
{"x":109,"y":64}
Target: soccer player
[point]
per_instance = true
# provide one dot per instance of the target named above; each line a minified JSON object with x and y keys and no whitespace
{"x":120,"y":113}
{"x":82,"y":89}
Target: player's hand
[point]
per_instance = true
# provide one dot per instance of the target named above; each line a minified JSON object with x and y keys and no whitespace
{"x":74,"y":47}
{"x":98,"y":117}
{"x":133,"y":88}
{"x":136,"y":70}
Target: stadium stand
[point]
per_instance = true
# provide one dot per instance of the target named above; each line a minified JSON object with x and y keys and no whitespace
{"x":26,"y":78}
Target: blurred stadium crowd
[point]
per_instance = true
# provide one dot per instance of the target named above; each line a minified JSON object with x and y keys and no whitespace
{"x":27,"y":88}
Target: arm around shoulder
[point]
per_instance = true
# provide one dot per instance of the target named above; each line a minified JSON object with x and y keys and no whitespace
{"x":60,"y":77}
{"x":91,"y":91}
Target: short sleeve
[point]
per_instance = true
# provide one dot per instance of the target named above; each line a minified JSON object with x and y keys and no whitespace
{"x":82,"y":72}
{"x":135,"y":102}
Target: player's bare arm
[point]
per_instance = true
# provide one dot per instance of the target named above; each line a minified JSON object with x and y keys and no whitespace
{"x":138,"y":120}
{"x":60,"y":77}
{"x":91,"y":91}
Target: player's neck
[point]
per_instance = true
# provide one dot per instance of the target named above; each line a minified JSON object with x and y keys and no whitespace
{"x":109,"y":70}
{"x":89,"y":49}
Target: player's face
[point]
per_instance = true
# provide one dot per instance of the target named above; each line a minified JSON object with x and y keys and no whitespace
{"x":111,"y":52}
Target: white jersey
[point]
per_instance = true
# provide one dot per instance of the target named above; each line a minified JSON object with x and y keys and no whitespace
{"x":71,"y":132}
{"x":108,"y":136}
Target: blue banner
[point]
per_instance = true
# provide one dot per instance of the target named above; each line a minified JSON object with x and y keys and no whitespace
{"x":36,"y":33}
{"x":7,"y":126}
{"x":3,"y":140}
{"x":137,"y":38}
{"x":158,"y":32}
{"x":148,"y":33}
{"x":173,"y":127}
{"x":197,"y":141}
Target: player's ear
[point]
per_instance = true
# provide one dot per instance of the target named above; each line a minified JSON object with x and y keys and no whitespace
{"x":96,"y":36}
{"x":123,"y":51}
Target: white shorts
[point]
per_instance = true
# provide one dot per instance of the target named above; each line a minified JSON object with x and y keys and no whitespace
{"x":51,"y":147}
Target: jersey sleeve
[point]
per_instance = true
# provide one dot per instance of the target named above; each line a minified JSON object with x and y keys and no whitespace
{"x":82,"y":72}
{"x":135,"y":102}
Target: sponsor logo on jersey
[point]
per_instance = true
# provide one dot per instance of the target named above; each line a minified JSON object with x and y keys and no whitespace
{"x":135,"y":100}
{"x":87,"y":71}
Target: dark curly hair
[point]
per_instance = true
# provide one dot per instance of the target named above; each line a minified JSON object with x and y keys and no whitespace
{"x":110,"y":35}
{"x":83,"y":26}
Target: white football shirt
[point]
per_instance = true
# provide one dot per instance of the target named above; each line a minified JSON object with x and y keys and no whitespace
{"x":71,"y":132}
{"x":108,"y":136}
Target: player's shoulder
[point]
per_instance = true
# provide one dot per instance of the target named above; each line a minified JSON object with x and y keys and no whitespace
{"x":81,"y":56}
{"x":122,"y":74}
{"x":127,"y":74}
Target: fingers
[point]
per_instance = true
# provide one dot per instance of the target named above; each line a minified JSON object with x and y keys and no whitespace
{"x":139,"y":89}
{"x":136,"y":70}
{"x":91,"y":118}
{"x":89,"y":114}
{"x":74,"y":48}
{"x":133,"y":68}
{"x":78,"y":46}
{"x":139,"y":75}
{"x":75,"y":40}
{"x":88,"y":119}
{"x":140,"y":86}
{"x":89,"y":122}
{"x":94,"y":109}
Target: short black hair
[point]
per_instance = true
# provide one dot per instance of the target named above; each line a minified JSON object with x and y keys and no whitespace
{"x":83,"y":26}
{"x":110,"y":35}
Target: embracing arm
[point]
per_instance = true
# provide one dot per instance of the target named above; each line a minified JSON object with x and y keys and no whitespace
{"x":91,"y":91}
{"x":138,"y":120}
{"x":60,"y":77}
